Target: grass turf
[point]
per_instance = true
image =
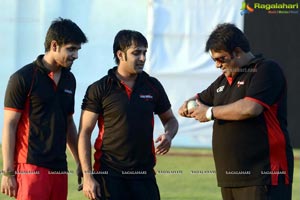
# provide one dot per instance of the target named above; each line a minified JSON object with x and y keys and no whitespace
{"x":182,"y":174}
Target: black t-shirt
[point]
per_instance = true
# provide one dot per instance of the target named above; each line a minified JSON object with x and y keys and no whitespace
{"x":45,"y":106}
{"x":257,"y":150}
{"x":126,"y":121}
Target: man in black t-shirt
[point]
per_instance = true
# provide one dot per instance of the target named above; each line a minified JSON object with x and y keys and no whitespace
{"x":251,"y":146}
{"x":38,"y":119}
{"x":123,"y":103}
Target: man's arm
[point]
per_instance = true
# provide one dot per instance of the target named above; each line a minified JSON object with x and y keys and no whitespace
{"x":88,"y":121}
{"x":72,"y":142}
{"x":10,"y":125}
{"x":72,"y":139}
{"x":170,"y":124}
{"x":239,"y":110}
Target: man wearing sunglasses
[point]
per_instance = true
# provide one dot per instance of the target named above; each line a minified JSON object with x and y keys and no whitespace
{"x":251,"y":146}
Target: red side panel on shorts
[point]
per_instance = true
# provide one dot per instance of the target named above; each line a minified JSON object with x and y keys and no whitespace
{"x":23,"y":136}
{"x":40,"y":183}
{"x":98,"y":144}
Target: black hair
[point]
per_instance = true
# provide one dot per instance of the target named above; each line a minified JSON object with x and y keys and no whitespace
{"x":124,"y":39}
{"x":227,"y":37}
{"x":64,"y":31}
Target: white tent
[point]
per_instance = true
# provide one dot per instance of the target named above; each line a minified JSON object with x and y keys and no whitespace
{"x":176,"y":30}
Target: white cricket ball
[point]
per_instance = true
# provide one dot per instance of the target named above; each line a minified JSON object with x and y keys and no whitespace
{"x":191,"y":104}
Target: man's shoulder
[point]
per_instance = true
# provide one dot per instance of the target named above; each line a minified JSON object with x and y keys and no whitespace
{"x":269,"y":62}
{"x":101,"y":83}
{"x":269,"y":65}
{"x":24,"y":73}
{"x":103,"y":80}
{"x":29,"y":68}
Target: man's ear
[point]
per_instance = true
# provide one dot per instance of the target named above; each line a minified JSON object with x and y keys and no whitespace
{"x":121,"y":55}
{"x":237,"y":52}
{"x":53,"y":45}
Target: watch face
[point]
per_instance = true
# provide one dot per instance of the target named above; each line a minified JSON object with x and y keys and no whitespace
{"x":209,"y":113}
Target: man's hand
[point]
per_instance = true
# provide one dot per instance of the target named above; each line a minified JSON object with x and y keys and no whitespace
{"x":9,"y":186}
{"x":91,"y":188}
{"x":79,"y":175}
{"x":199,"y":112}
{"x":164,"y":144}
{"x":183,"y":111}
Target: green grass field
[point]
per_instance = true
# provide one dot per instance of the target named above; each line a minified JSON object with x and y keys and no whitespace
{"x":183,"y":174}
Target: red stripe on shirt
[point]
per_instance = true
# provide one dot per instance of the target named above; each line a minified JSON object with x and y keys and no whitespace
{"x":98,"y":144}
{"x":277,"y":145}
{"x":13,"y":109}
{"x":153,"y":146}
{"x":21,"y":153}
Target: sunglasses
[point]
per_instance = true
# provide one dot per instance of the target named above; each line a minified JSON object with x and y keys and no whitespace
{"x":222,"y":59}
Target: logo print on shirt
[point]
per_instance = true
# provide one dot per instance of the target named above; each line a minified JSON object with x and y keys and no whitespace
{"x":239,"y":83}
{"x":221,"y":88}
{"x":147,"y":97}
{"x":68,"y":91}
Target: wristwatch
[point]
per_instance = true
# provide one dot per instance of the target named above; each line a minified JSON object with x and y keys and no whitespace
{"x":8,"y":173}
{"x":209,"y":114}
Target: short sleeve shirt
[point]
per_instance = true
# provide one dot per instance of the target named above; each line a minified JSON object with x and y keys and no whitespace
{"x":125,"y":140}
{"x":44,"y":108}
{"x":256,"y":150}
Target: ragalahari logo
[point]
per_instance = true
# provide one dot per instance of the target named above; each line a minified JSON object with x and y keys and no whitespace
{"x":245,"y":9}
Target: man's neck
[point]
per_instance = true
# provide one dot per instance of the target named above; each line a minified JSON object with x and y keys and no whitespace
{"x":125,"y":76}
{"x":50,"y":63}
{"x":247,"y":58}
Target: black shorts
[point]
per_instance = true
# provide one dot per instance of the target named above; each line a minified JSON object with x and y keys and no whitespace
{"x":263,"y":192}
{"x":116,"y":188}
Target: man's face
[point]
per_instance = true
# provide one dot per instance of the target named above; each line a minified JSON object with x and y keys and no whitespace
{"x":225,"y":61}
{"x":66,"y":54}
{"x":134,"y":58}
